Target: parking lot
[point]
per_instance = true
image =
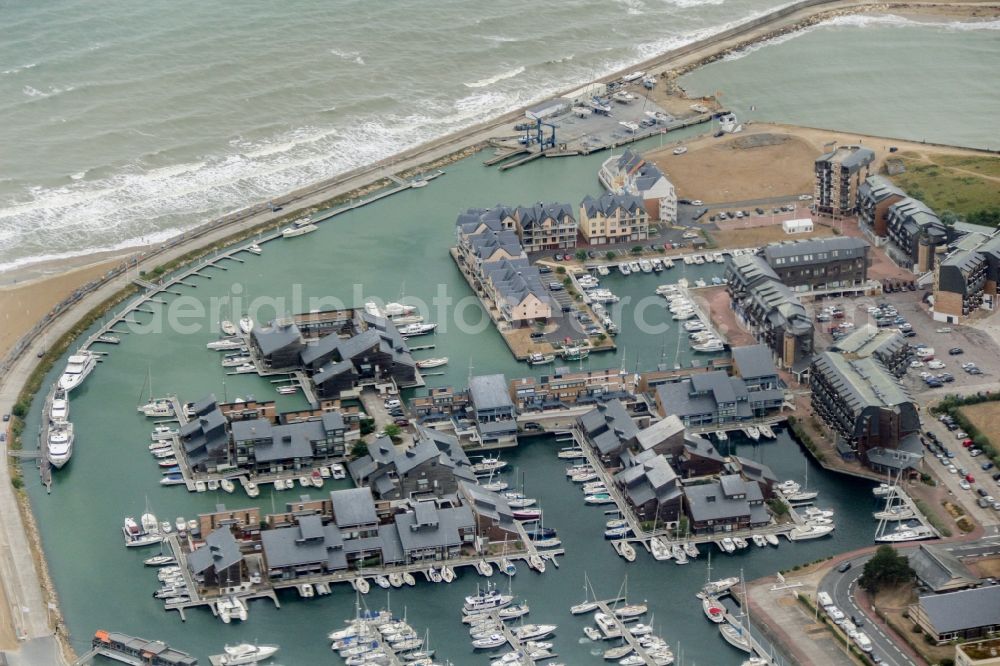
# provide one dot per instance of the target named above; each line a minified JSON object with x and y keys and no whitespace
{"x":977,"y":347}
{"x":961,"y":472}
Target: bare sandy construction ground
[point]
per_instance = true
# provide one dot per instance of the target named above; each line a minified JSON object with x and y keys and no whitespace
{"x":739,"y":167}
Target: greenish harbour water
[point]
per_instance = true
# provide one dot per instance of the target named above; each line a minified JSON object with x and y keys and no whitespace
{"x":398,"y":246}
{"x":111,"y":475}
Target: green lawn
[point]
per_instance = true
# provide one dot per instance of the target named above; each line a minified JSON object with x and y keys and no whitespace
{"x":942,"y":187}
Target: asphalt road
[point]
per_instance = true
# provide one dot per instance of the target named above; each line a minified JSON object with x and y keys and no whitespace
{"x":841,"y":587}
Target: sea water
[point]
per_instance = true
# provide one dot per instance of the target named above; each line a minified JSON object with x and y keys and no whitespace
{"x":122,"y":123}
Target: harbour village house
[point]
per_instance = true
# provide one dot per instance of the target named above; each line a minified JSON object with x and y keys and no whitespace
{"x":490,"y":253}
{"x":838,"y":175}
{"x":871,"y":416}
{"x":613,"y":218}
{"x":545,"y":226}
{"x":629,"y":173}
{"x":959,"y":615}
{"x":875,"y":195}
{"x":727,"y":503}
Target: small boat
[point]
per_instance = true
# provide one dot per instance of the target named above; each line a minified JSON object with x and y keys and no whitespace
{"x":244,"y":653}
{"x":571,"y":453}
{"x":728,"y":545}
{"x":713,"y":610}
{"x":615,"y":653}
{"x":634,"y":266}
{"x":299,"y":228}
{"x":771,"y":539}
{"x":668,"y":263}
{"x":252,"y":489}
{"x":659,"y":549}
{"x":409,"y":579}
{"x":548,"y":542}
{"x":575,"y":353}
{"x":174,"y":479}
{"x":432,"y":362}
{"x":288,"y":389}
{"x":227,"y":485}
{"x":529,"y":632}
{"x":433,"y":575}
{"x":382,"y":581}
{"x":491,"y":641}
{"x":759,"y":541}
{"x":631,"y":610}
{"x":527,"y":513}
{"x":228,"y":328}
{"x":680,"y":557}
{"x":622,"y":532}
{"x":740,"y":542}
{"x":213,"y":484}
{"x":412,"y":330}
{"x":395,"y":580}
{"x":337,"y":471}
{"x":691,"y":549}
{"x":109,"y":338}
{"x":599,"y":498}
{"x":645,"y":266}
{"x":752,"y":432}
{"x":305,"y":481}
{"x":507,"y":567}
{"x":624,"y":269}
{"x":488,"y":466}
{"x":226,"y":344}
{"x":803,"y":532}
{"x":159,"y":408}
{"x":680,"y":150}
{"x":447,"y":574}
{"x":316,"y":478}
{"x":736,"y":636}
{"x":361,"y":585}
{"x":255,"y":249}
{"x":484,"y":568}
{"x":495,"y":486}
{"x":583,"y":477}
{"x":721,"y":435}
{"x":160,"y":561}
{"x":625,"y":549}
{"x":537,"y":563}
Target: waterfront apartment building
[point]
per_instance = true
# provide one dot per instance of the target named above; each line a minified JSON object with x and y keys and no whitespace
{"x":770,"y":310}
{"x":965,"y":280}
{"x":262,"y":447}
{"x":493,"y":412}
{"x":609,"y":430}
{"x":546,"y":226}
{"x":838,"y":175}
{"x":714,"y":399}
{"x":887,"y":346}
{"x":630,"y":173}
{"x":613,"y":218}
{"x":820,"y":264}
{"x":564,"y":389}
{"x":875,"y":195}
{"x":279,"y":344}
{"x":431,"y":467}
{"x":914,"y":232}
{"x":867,"y":410}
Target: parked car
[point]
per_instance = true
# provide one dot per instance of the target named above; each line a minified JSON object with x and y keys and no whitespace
{"x":955,"y":351}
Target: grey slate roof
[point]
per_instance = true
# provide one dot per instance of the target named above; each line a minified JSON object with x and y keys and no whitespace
{"x":863,"y":382}
{"x":535,"y":215}
{"x":219,"y":552}
{"x":701,"y":446}
{"x":754,"y":361}
{"x":353,"y":507}
{"x":514,"y":279}
{"x":939,"y":569}
{"x":964,"y":609}
{"x":484,"y":245}
{"x":658,"y":432}
{"x":206,"y":404}
{"x":272,"y":338}
{"x":488,"y":504}
{"x":315,"y":350}
{"x":608,"y":426}
{"x":290,"y":546}
{"x":850,"y":157}
{"x":293,"y":440}
{"x":609,"y":203}
{"x":894,"y":458}
{"x":652,"y":479}
{"x":442,"y":534}
{"x":876,"y":188}
{"x":331,"y":370}
{"x":490,"y":392}
{"x":707,"y":501}
{"x":868,"y":340}
{"x":814,"y":251}
{"x":251,"y":429}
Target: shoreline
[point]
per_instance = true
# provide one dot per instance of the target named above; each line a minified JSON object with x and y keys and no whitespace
{"x":226,"y":229}
{"x":721,"y":44}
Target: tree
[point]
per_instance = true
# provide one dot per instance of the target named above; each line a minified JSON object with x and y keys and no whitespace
{"x":637,"y":249}
{"x":886,"y":568}
{"x":393,"y":431}
{"x":367,"y":426}
{"x":609,"y":255}
{"x":581,"y":255}
{"x":358,"y":449}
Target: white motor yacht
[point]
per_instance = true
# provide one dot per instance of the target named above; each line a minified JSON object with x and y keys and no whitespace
{"x":60,"y":444}
{"x":78,"y":366}
{"x":299,"y":228}
{"x":59,"y":409}
{"x":245,"y":653}
{"x":246,"y":324}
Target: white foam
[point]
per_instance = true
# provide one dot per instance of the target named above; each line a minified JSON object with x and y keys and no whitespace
{"x":866,"y":21}
{"x":509,"y":74}
{"x":352,"y":56}
{"x":19,"y":68}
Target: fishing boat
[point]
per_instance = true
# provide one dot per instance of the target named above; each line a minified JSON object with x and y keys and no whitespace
{"x":575,"y":353}
{"x":486,"y":600}
{"x":432,"y":362}
{"x":78,"y":366}
{"x":540,"y":359}
{"x":244,"y":653}
{"x":625,"y":549}
{"x":299,"y":228}
{"x":228,"y":328}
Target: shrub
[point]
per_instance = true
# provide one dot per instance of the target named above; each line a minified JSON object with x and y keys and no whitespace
{"x":609,"y":255}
